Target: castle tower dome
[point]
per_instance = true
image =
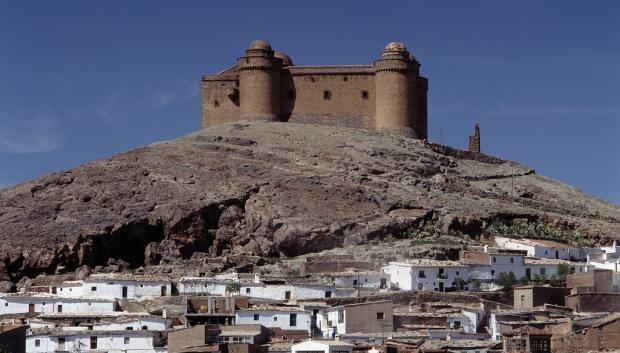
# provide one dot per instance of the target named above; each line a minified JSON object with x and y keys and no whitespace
{"x":259,"y":82}
{"x":286,"y":60}
{"x":398,"y":98}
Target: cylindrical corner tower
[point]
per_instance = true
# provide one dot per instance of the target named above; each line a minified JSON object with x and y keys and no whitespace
{"x":259,"y":83}
{"x":396,"y":83}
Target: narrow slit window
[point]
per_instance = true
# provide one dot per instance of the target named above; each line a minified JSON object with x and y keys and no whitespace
{"x":327,"y":95}
{"x":216,"y":103}
{"x":365,"y":95}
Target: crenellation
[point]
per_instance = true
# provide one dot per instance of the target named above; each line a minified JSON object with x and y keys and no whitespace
{"x":387,"y":95}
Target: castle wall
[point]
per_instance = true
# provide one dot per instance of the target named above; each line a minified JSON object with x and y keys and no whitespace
{"x":346,"y":99}
{"x":220,"y":101}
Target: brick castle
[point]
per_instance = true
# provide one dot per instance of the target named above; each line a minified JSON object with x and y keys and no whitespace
{"x":388,"y":95}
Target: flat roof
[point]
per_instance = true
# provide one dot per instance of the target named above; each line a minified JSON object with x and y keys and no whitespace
{"x":428,"y":263}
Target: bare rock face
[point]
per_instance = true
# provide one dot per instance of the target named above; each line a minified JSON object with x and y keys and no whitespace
{"x":269,"y":189}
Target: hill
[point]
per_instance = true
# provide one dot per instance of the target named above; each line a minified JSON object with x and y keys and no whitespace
{"x":279,"y":189}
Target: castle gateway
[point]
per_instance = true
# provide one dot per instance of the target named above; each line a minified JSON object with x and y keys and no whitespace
{"x":388,"y":95}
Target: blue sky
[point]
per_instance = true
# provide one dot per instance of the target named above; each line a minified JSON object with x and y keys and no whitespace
{"x":82,"y":80}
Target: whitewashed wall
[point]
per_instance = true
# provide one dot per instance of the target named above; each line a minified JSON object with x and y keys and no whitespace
{"x":111,"y":343}
{"x":274,"y":318}
{"x":11,"y":305}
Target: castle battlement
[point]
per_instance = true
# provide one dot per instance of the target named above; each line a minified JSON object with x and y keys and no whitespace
{"x":387,"y":95}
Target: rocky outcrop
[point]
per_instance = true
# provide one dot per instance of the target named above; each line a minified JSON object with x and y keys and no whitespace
{"x":270,"y":189}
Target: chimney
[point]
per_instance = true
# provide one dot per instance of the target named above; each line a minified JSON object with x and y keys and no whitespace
{"x":474,"y":140}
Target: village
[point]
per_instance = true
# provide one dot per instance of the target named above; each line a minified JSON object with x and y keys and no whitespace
{"x":516,"y":295}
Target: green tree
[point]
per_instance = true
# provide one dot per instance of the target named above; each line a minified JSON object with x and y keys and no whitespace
{"x":477,"y":283}
{"x":233,"y":287}
{"x":506,"y":280}
{"x":524,"y":281}
{"x":460,"y":283}
{"x":562,"y":271}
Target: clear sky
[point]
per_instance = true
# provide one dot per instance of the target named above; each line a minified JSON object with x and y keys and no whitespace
{"x":82,"y":80}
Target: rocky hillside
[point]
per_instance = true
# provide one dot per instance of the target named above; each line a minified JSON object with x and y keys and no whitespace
{"x":278,"y":189}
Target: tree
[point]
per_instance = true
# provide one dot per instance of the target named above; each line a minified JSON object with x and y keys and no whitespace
{"x":506,"y":280}
{"x":477,"y":283}
{"x":233,"y":287}
{"x":562,"y":271}
{"x":460,"y":283}
{"x":524,"y":281}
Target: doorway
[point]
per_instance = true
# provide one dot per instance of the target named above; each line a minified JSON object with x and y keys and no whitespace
{"x":124,"y":292}
{"x":164,"y":291}
{"x":31,"y":308}
{"x":441,"y":286}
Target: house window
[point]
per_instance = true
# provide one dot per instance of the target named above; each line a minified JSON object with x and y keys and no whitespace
{"x":291,"y":94}
{"x":492,"y":272}
{"x":256,"y":316}
{"x":93,"y":342}
{"x":37,"y":343}
{"x":457,"y":325}
{"x":328,"y":294}
{"x":287,"y":294}
{"x":247,"y":290}
{"x":421,"y":274}
{"x":293,"y":320}
{"x":543,"y":271}
{"x":345,"y":78}
{"x":93,"y":289}
{"x":365,"y":95}
{"x":457,"y":273}
{"x":380,"y":316}
{"x":216,"y":103}
{"x":327,"y":95}
{"x":145,"y":327}
{"x":129,"y":328}
{"x":512,"y":261}
{"x":355,"y":282}
{"x":275,"y":318}
{"x":126,"y":340}
{"x":60,"y":308}
{"x":494,"y":259}
{"x":340,"y":316}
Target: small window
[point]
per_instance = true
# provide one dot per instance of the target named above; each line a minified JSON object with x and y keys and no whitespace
{"x":492,"y":272}
{"x":327,"y":95}
{"x":293,"y":320}
{"x":287,"y":294}
{"x":291,"y":94}
{"x":494,"y":259}
{"x":93,"y":342}
{"x":126,"y":340}
{"x":355,"y":282}
{"x":247,"y":290}
{"x":37,"y":343}
{"x":129,"y":328}
{"x":457,"y":273}
{"x":328,"y":294}
{"x":512,"y":261}
{"x":345,"y":78}
{"x":6,"y":304}
{"x":421,"y":274}
{"x":145,"y":327}
{"x":365,"y":95}
{"x":275,"y":318}
{"x":380,"y":316}
{"x":93,"y":289}
{"x":216,"y":103}
{"x":256,"y":317}
{"x":340,"y":316}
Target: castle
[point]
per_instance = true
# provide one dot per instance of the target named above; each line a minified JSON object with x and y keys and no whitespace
{"x":389,"y":95}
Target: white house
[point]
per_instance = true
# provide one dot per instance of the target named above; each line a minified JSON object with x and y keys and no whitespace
{"x":65,"y":340}
{"x":461,"y":322}
{"x":322,"y":346}
{"x":542,"y":248}
{"x":285,"y":318}
{"x":48,"y":303}
{"x":546,"y":268}
{"x":125,"y":286}
{"x":425,"y":274}
{"x":359,"y":279}
{"x":204,"y":285}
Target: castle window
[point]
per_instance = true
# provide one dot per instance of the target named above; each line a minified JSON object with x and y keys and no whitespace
{"x":327,"y":95}
{"x":312,"y":79}
{"x":216,"y":103}
{"x":365,"y":95}
{"x":291,"y":94}
{"x":345,"y":79}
